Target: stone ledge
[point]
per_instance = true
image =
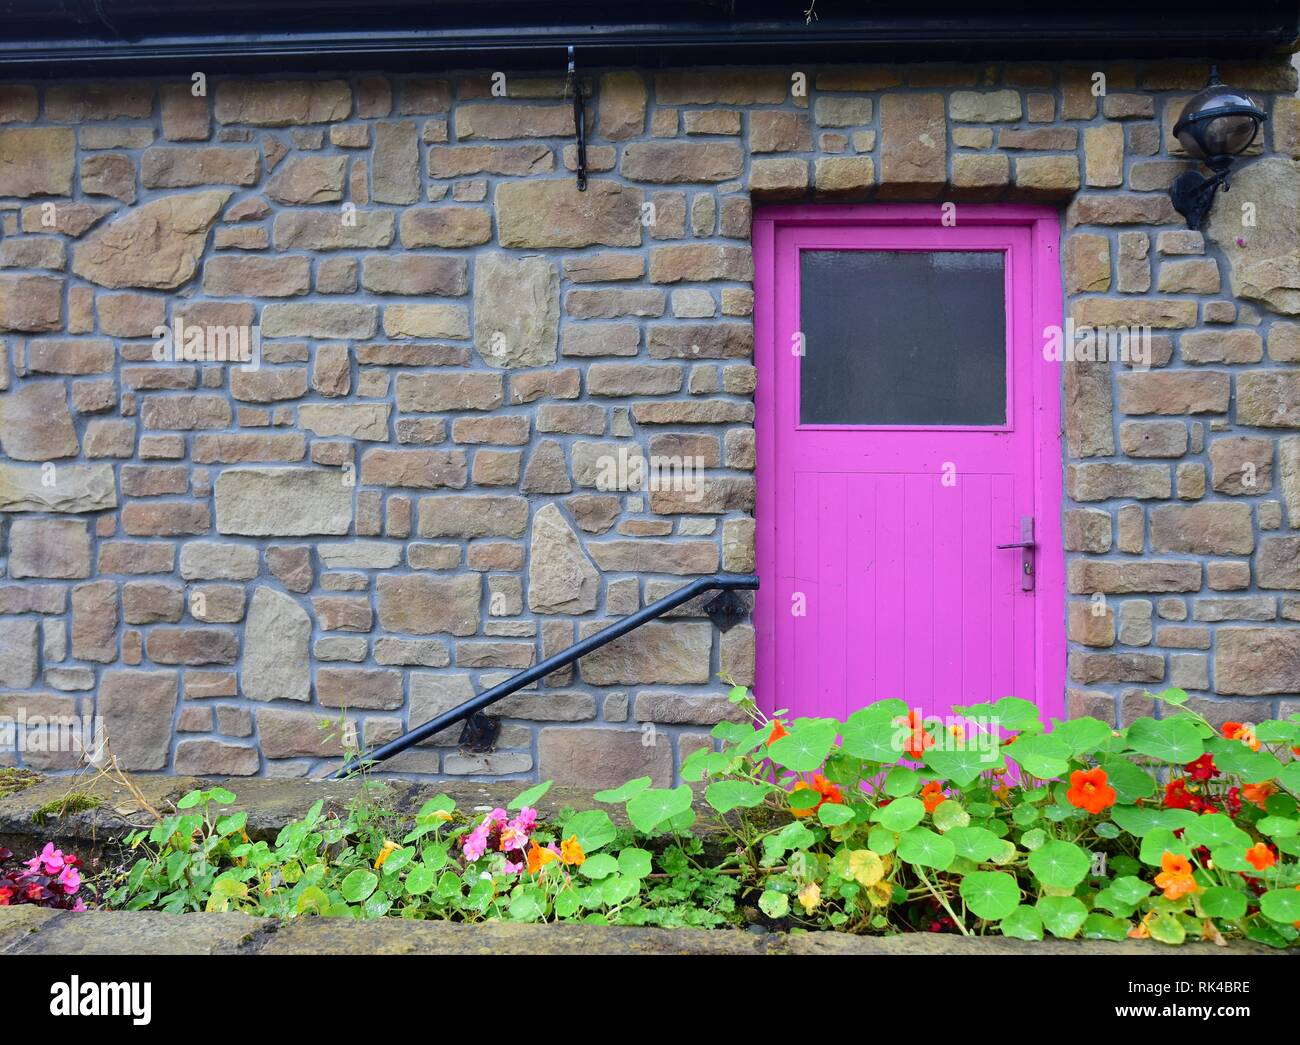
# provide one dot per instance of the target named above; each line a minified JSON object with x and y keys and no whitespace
{"x":270,"y":803}
{"x":27,"y":930}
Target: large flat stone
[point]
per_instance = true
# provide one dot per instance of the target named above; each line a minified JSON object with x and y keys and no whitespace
{"x":155,"y":245}
{"x":516,"y":310}
{"x":283,"y":502}
{"x":277,"y":636}
{"x":142,"y":933}
{"x":79,"y":488}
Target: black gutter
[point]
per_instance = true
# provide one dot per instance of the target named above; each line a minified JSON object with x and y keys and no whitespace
{"x":62,"y":36}
{"x":715,"y":582}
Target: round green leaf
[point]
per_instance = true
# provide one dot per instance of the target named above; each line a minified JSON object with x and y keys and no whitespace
{"x":1130,"y":782}
{"x":834,"y":814}
{"x":1082,"y":735}
{"x":1278,"y":826}
{"x":419,"y":880}
{"x":525,"y":907}
{"x":1033,"y":839}
{"x":925,"y":848}
{"x":618,"y":795}
{"x":962,"y":764}
{"x":1102,"y":927}
{"x":774,"y":904}
{"x":358,"y":885}
{"x":880,"y":840}
{"x":1024,"y":923}
{"x":991,"y":895}
{"x":727,"y":795}
{"x":655,"y":806}
{"x":593,"y":828}
{"x":1281,"y":905}
{"x":602,"y":865}
{"x":634,"y":863}
{"x":1166,"y":928}
{"x":949,"y":814}
{"x":1040,"y":755}
{"x":900,"y":814}
{"x":901,"y":781}
{"x":870,"y":734}
{"x":1215,"y":829}
{"x":1220,"y":901}
{"x":1063,"y":916}
{"x":1061,"y":864}
{"x":1161,"y":840}
{"x":1130,"y":889}
{"x":975,"y":843}
{"x":1174,"y":739}
{"x":806,"y":746}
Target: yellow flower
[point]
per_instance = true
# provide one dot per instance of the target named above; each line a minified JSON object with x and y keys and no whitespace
{"x":390,"y":847}
{"x":811,"y":897}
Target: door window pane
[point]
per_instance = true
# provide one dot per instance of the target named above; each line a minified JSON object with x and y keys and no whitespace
{"x":902,"y":337}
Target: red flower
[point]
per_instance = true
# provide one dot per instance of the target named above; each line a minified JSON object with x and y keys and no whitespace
{"x":1089,"y":790}
{"x":914,"y":746}
{"x":778,"y":731}
{"x":1178,"y":797}
{"x":932,"y":795}
{"x":1202,"y":768}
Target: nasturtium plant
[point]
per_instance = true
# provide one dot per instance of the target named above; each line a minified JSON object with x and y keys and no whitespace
{"x":989,"y":822}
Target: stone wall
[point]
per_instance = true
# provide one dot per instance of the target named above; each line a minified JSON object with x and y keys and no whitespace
{"x":405,"y":503}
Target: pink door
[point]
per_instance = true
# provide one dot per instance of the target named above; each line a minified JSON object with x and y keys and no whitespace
{"x":908,"y":425}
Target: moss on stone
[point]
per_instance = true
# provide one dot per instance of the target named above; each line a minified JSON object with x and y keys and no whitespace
{"x":73,"y":802}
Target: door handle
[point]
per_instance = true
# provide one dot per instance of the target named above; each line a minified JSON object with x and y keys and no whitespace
{"x":1026,"y":544}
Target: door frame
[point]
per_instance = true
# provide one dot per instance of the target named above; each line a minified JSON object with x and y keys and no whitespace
{"x":1047,"y":298}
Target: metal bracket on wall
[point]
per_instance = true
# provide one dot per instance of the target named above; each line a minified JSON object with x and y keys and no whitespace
{"x":579,"y":122}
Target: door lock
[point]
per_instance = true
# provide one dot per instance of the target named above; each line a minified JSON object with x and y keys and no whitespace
{"x":1026,"y":545}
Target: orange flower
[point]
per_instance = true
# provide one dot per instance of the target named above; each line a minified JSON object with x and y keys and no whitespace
{"x":538,"y":857}
{"x":1260,"y":857}
{"x":571,"y":852}
{"x":829,"y":792}
{"x":1175,"y":876}
{"x":1258,"y":793}
{"x":914,"y":746}
{"x":1089,"y":790}
{"x":932,"y":795}
{"x":1243,"y":732}
{"x":778,"y":731}
{"x":1141,"y":931}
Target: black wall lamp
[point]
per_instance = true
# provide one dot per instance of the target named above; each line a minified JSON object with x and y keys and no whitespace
{"x":1216,"y":126}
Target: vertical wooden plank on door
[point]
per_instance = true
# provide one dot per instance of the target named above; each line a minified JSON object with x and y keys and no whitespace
{"x":976,"y":587}
{"x":1005,"y":588}
{"x":832,"y":573}
{"x":949,"y":609}
{"x":862,"y":553}
{"x":918,"y":636}
{"x":807,"y":588}
{"x":891,"y":586}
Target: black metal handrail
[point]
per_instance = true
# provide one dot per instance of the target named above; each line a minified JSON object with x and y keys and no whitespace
{"x":714,"y":582}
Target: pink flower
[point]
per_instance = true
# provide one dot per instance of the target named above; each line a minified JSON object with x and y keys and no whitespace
{"x":512,"y":837}
{"x":79,"y":905}
{"x":49,"y":859}
{"x":70,"y":879}
{"x":513,"y":868}
{"x":526,"y":820}
{"x":497,"y":816}
{"x":474,"y":844}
